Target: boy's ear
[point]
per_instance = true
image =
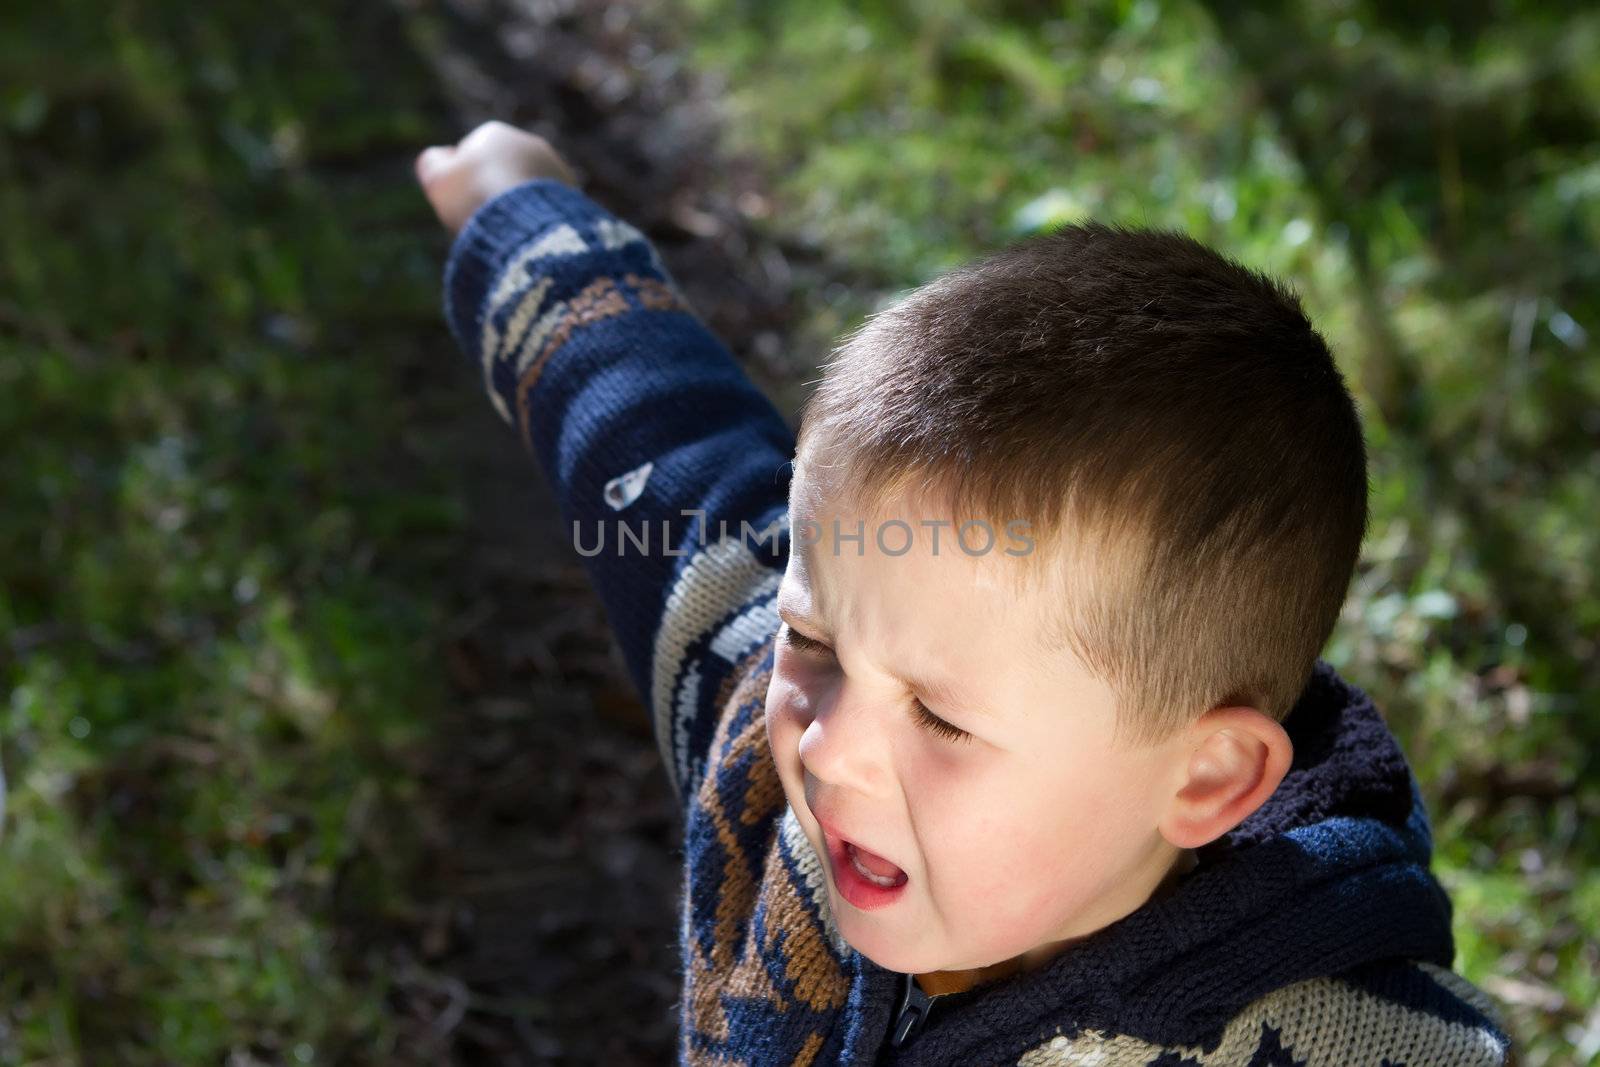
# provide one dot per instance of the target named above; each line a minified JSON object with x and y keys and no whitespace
{"x":1236,"y":756}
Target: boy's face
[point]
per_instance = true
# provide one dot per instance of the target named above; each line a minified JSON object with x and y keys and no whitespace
{"x":1028,"y":833}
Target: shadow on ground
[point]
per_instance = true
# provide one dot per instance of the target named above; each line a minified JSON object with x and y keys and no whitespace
{"x":547,"y":921}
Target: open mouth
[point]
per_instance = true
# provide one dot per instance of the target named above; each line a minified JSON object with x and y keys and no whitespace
{"x":874,"y":868}
{"x":865,"y":880}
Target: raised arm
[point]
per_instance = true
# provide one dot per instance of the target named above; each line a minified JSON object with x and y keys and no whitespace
{"x":653,"y":439}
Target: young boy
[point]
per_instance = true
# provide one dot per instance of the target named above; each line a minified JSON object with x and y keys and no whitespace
{"x":997,"y":715}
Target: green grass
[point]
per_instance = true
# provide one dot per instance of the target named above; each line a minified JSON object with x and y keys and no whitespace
{"x":213,"y":555}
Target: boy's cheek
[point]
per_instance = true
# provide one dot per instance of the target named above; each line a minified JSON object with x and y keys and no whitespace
{"x":792,"y":695}
{"x":784,"y":727}
{"x":786,"y":703}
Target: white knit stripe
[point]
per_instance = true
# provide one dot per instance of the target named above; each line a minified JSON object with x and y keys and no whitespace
{"x":614,"y":233}
{"x":730,"y":643}
{"x":1322,"y":1022}
{"x":618,"y":232}
{"x":717,"y":579}
{"x":522,"y":354}
{"x":685,"y":702}
{"x":814,"y":874}
{"x":748,"y":629}
{"x":500,"y":407}
{"x":737,"y":637}
{"x":526,"y":308}
{"x":563,"y":240}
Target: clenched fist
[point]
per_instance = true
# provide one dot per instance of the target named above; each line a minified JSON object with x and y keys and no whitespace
{"x":458,"y":179}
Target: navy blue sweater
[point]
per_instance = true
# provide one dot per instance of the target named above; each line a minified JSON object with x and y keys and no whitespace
{"x":1313,"y":933}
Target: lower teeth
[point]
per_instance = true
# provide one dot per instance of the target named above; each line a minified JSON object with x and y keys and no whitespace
{"x":875,"y":879}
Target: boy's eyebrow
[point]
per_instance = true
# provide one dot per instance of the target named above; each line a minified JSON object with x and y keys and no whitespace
{"x":941,"y":691}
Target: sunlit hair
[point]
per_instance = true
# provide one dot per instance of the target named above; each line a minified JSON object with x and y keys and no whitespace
{"x":1178,"y":436}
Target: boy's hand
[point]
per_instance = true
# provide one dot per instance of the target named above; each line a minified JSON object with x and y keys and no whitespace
{"x":458,"y":179}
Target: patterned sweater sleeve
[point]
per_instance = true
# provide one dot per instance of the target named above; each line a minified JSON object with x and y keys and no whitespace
{"x":669,"y":465}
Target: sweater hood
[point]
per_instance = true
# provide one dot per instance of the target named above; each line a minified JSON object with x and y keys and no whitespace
{"x":1330,"y":874}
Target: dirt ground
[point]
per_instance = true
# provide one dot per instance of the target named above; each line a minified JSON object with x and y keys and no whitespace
{"x":548,"y":926}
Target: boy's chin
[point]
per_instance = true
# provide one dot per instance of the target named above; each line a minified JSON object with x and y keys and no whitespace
{"x":881,"y":948}
{"x":895,"y":961}
{"x":878,"y":946}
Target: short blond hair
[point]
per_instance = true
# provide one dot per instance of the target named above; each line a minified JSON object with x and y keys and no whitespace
{"x":1170,"y":424}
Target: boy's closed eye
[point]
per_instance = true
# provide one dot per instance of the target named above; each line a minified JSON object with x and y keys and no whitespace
{"x":811,"y":647}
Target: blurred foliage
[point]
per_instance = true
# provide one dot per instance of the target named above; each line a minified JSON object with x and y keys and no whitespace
{"x":214,"y":276}
{"x":221,"y":541}
{"x":1428,"y":176}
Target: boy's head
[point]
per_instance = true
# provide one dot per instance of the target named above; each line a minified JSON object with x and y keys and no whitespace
{"x":1163,"y":482}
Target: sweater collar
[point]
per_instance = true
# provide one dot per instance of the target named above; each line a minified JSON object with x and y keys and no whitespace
{"x":1330,"y":873}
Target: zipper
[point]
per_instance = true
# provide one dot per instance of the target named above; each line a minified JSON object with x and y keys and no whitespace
{"x":912,"y":1013}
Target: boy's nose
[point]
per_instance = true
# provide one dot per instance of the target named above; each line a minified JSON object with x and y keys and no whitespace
{"x":844,"y":748}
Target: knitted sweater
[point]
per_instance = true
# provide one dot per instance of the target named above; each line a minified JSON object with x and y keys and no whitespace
{"x":1313,"y":933}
